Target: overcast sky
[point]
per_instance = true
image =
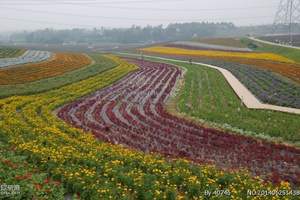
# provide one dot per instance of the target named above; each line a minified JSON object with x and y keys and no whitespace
{"x":37,"y":14}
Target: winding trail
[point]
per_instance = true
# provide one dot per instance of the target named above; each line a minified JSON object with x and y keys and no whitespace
{"x":241,"y":91}
{"x":131,"y":112}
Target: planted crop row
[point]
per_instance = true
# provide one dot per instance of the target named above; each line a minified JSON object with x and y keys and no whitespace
{"x":131,"y":113}
{"x":99,"y":170}
{"x":101,"y":63}
{"x":216,"y":54}
{"x":268,"y":87}
{"x":29,"y":56}
{"x":207,"y":96}
{"x":6,"y":52}
{"x":60,"y":64}
{"x":289,"y":70}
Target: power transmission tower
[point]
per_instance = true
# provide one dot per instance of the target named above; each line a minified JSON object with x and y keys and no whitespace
{"x":287,"y":15}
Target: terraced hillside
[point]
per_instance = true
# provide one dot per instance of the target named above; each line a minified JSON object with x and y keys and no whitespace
{"x":100,"y":127}
{"x":131,"y":113}
{"x":95,"y":169}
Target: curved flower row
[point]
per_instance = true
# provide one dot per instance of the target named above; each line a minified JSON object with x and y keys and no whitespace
{"x":100,"y":170}
{"x":60,"y":64}
{"x":131,"y":113}
{"x":216,"y":54}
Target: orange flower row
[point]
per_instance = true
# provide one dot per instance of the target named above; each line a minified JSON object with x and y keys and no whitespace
{"x":59,"y":64}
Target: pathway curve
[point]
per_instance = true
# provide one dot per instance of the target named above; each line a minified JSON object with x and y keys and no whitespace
{"x":242,"y":92}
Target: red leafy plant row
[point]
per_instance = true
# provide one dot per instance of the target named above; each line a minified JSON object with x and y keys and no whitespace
{"x":131,"y":112}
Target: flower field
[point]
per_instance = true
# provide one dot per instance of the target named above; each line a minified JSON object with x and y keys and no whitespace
{"x":60,"y":64}
{"x":29,"y":56}
{"x":32,"y":183}
{"x":101,"y":63}
{"x":132,"y":111}
{"x":216,"y":54}
{"x":205,"y":95}
{"x":268,"y":87}
{"x":98,"y":170}
{"x":289,"y":70}
{"x":6,"y":52}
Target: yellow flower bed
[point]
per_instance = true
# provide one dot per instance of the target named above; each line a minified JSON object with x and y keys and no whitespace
{"x":207,"y":53}
{"x":103,"y":171}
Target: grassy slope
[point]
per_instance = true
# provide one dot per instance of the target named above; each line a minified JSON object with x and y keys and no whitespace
{"x":290,"y":53}
{"x":206,"y":95}
{"x":101,"y":64}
